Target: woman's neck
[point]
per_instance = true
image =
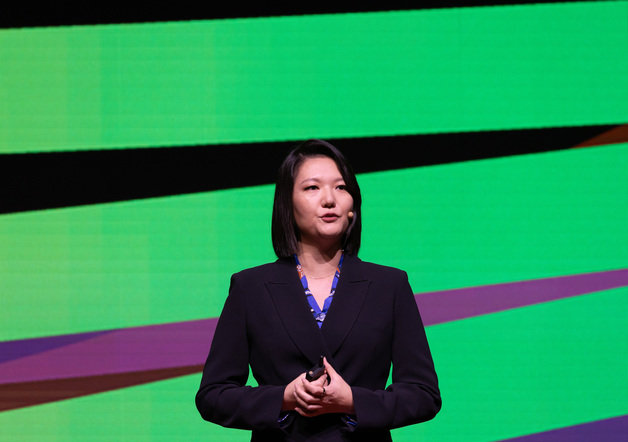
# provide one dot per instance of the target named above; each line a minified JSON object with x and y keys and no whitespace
{"x":317,"y":262}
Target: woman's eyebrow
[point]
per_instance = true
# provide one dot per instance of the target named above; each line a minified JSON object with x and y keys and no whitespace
{"x":310,"y":179}
{"x":317,"y":180}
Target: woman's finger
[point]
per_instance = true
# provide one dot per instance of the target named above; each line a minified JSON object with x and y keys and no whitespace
{"x":314,"y":388}
{"x":303,"y":396}
{"x":306,"y":413}
{"x":306,"y":404}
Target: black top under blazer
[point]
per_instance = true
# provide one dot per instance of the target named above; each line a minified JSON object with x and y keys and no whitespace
{"x":266,"y":322}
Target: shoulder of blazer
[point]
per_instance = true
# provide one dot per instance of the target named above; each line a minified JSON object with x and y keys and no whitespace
{"x":279,"y":271}
{"x":353,"y":269}
{"x":374,"y":271}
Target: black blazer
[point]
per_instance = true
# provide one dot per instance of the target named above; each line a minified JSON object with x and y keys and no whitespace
{"x":266,"y":322}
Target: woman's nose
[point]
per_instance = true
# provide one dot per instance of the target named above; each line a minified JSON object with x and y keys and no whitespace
{"x":328,"y":198}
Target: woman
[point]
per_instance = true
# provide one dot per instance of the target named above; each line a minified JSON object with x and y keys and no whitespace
{"x":279,"y":318}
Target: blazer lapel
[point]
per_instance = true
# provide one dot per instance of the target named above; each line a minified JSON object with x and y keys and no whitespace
{"x":289,"y":300}
{"x":348,"y":301}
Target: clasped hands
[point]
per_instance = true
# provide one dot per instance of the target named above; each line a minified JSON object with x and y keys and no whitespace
{"x":327,"y":394}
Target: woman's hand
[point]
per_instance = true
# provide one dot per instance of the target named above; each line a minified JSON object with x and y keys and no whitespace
{"x":338,"y":397}
{"x":304,"y":396}
{"x":319,"y":397}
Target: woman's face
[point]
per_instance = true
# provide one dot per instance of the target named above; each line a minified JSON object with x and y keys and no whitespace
{"x":320,"y":200}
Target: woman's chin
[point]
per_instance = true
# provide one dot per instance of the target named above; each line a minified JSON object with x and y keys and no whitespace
{"x":324,"y":239}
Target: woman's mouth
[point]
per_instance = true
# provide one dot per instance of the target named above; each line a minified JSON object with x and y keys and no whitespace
{"x":329,"y":217}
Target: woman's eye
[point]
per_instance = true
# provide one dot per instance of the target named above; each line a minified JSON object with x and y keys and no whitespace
{"x":311,"y":188}
{"x":341,"y":187}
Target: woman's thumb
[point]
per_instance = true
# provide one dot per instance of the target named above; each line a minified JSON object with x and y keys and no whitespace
{"x":330,"y":370}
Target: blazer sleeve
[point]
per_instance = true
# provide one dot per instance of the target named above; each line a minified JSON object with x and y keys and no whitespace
{"x":413,"y":396}
{"x":223,"y":397}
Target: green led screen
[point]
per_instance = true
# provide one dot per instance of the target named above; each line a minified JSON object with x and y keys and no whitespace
{"x":80,"y":283}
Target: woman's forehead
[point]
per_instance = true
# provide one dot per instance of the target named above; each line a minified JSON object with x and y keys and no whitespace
{"x":317,"y":166}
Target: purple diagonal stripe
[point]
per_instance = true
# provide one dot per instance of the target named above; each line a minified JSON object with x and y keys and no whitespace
{"x":187,"y":343}
{"x":132,"y":349}
{"x":10,"y":350}
{"x":607,"y":430}
{"x":451,"y":305}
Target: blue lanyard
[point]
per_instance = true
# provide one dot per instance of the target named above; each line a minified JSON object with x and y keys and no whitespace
{"x":319,"y":315}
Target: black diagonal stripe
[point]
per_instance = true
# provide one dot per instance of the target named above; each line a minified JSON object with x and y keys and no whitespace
{"x":48,"y":180}
{"x":29,"y":14}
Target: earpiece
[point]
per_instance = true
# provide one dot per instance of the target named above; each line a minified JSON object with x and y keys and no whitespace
{"x":350,"y":214}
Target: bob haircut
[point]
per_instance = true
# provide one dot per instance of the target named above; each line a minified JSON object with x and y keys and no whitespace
{"x":285,"y":233}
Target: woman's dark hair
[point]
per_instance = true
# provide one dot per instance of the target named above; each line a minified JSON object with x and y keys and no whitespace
{"x":285,"y":233}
